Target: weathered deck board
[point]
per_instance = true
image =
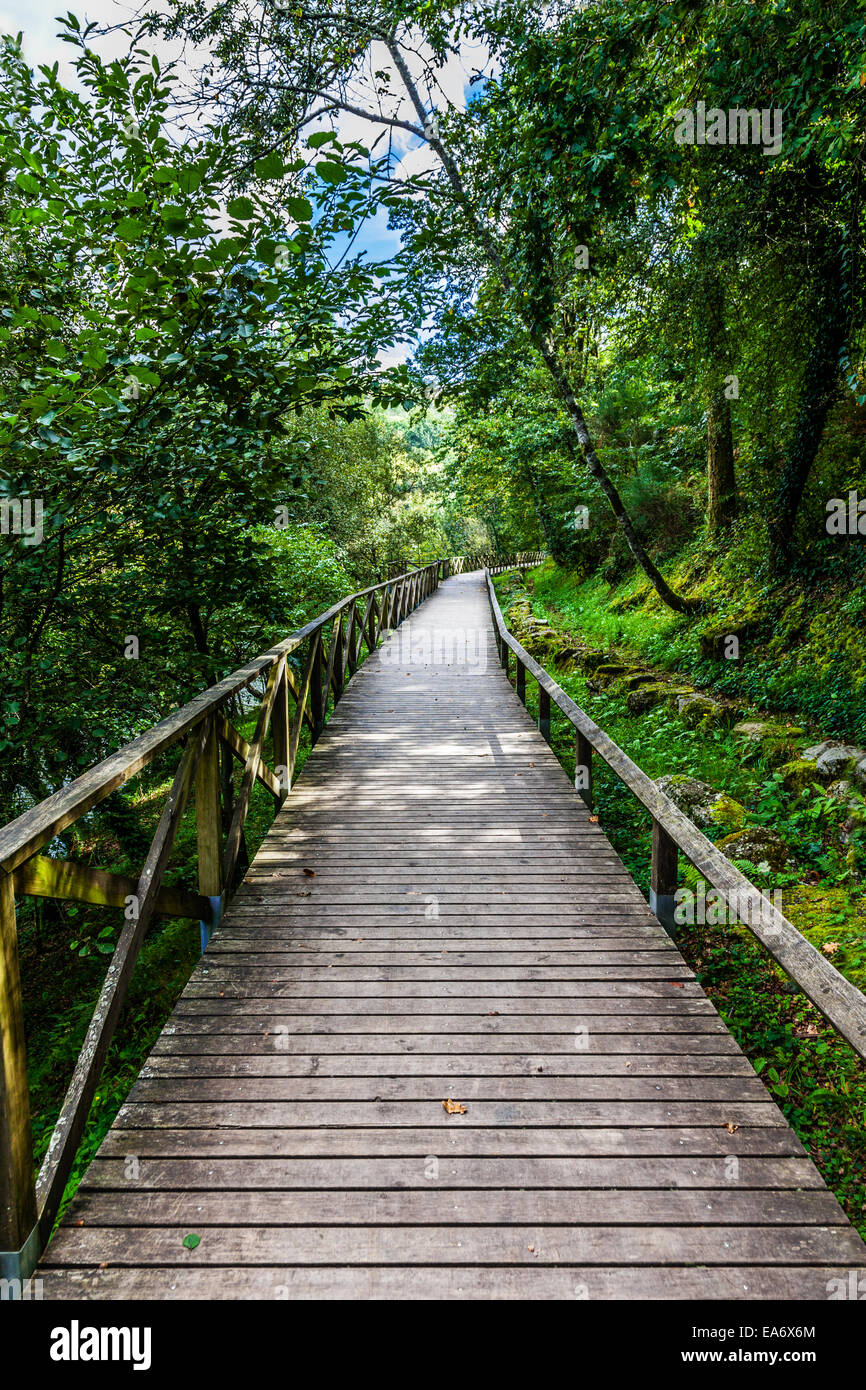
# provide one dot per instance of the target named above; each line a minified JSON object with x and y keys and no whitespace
{"x":465,"y":931}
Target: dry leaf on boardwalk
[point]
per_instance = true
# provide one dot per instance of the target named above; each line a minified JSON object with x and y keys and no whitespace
{"x":731,"y":1127}
{"x":454,"y":1107}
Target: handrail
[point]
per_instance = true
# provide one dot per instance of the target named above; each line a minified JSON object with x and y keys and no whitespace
{"x":840,"y":1002}
{"x":336,"y":643}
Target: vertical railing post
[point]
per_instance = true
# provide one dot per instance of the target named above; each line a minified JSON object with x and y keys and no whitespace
{"x":583,"y":767}
{"x":208,"y":824}
{"x":317,"y":694}
{"x":280,"y":724}
{"x":544,"y":713}
{"x":521,"y":680}
{"x":19,"y":1237}
{"x":663,"y":877}
{"x":351,"y":638}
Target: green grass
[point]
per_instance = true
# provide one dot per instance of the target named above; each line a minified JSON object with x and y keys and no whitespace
{"x":803,"y":642}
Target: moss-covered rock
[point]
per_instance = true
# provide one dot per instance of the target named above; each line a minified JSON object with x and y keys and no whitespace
{"x":714,"y":645}
{"x":698,"y":709}
{"x":703,"y":804}
{"x":675,"y":691}
{"x":725,"y":813}
{"x":685,"y":792}
{"x":636,"y":678}
{"x":610,"y":671}
{"x":815,"y":750}
{"x":828,"y":917}
{"x":567,"y":657}
{"x":757,"y":845}
{"x":798,"y":775}
{"x":839,"y":761}
{"x":778,"y":743}
{"x":645,"y":697}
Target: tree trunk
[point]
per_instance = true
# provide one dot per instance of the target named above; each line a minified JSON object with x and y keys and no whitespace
{"x":721,"y":479}
{"x":817,"y":394}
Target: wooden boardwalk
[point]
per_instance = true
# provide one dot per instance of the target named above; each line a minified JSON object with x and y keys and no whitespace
{"x":433,"y":916}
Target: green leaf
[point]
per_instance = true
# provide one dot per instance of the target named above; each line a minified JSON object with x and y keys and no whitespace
{"x":191,"y":1241}
{"x":322,"y":137}
{"x":270,"y":167}
{"x":28,"y":182}
{"x":300,"y":209}
{"x":129,"y":228}
{"x":174,"y":216}
{"x":189,"y":179}
{"x":330,"y":172}
{"x":241,"y":209}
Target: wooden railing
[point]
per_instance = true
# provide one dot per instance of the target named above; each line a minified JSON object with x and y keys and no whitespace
{"x":840,"y":1002}
{"x":300,"y":678}
{"x":463,"y":564}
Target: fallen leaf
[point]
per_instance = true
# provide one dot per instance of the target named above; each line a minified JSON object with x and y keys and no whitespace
{"x":593,"y":820}
{"x":454,"y":1107}
{"x":830,"y":948}
{"x":731,"y":1127}
{"x":191,"y":1241}
{"x":806,"y":1030}
{"x":311,"y":873}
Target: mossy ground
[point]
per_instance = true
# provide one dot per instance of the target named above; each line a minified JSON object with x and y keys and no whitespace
{"x":802,"y":642}
{"x":815,"y":1077}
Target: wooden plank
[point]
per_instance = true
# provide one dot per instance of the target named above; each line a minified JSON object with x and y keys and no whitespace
{"x":485,"y":1113}
{"x":252,"y":765}
{"x":208,"y":818}
{"x":306,"y":1036}
{"x":432,"y":1206}
{"x":383,"y":1140}
{"x":241,"y":750}
{"x":289,"y":1281}
{"x":41,"y":877}
{"x":449,"y":1244}
{"x":278,"y":1060}
{"x":180,"y":1175}
{"x":429,"y":1088}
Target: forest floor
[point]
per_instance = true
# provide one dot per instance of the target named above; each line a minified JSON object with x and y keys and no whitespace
{"x":814,"y":1076}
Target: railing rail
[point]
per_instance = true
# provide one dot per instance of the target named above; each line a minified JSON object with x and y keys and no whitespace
{"x":328,"y":650}
{"x":840,"y":1002}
